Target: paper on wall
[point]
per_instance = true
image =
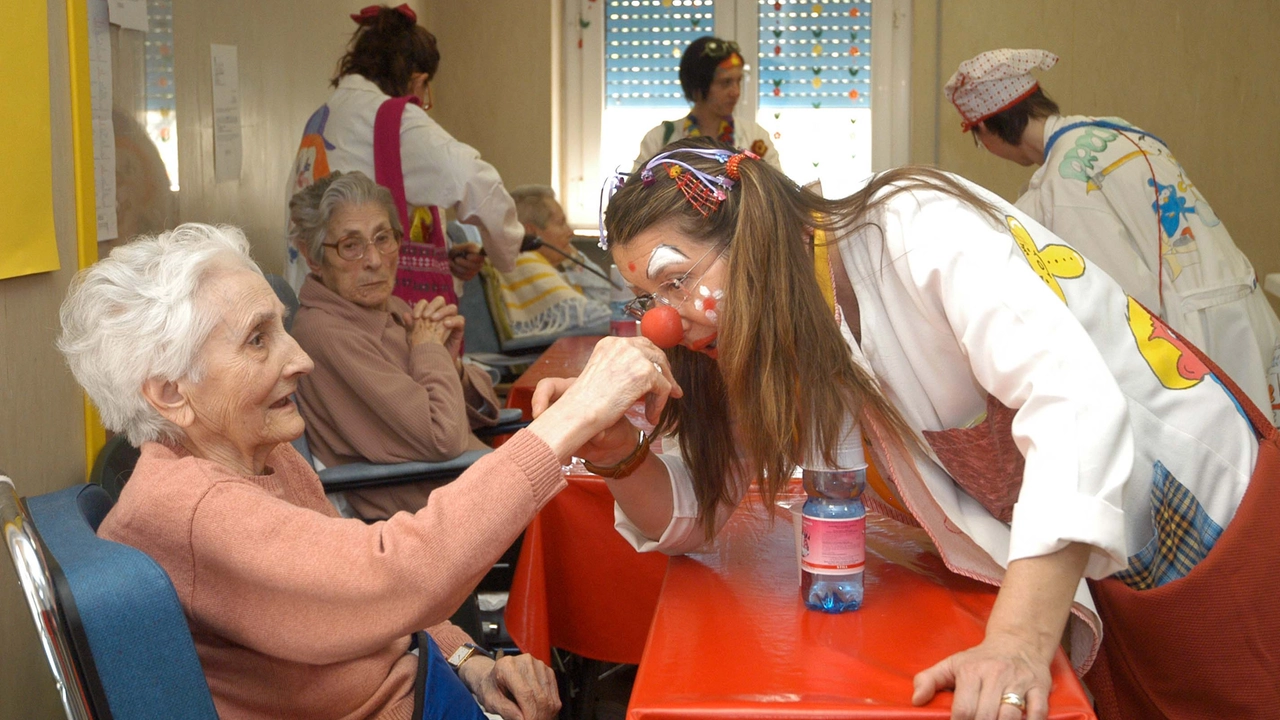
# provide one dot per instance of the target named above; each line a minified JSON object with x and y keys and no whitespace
{"x":129,"y":14}
{"x":104,"y":134}
{"x":226,"y":113}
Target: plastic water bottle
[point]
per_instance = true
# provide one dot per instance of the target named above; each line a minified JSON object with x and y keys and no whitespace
{"x":620,"y":323}
{"x":834,"y":527}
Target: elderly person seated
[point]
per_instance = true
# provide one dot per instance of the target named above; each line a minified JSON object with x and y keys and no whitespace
{"x":389,"y":383}
{"x":295,"y":611}
{"x":541,"y":215}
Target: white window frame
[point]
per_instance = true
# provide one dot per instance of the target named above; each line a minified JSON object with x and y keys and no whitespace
{"x":583,"y":102}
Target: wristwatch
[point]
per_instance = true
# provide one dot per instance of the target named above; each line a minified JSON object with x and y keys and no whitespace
{"x":465,"y":652}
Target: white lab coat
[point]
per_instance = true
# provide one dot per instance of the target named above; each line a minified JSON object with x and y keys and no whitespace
{"x":438,"y":170}
{"x":951,"y":311}
{"x":1096,"y":191}
{"x":746,"y":133}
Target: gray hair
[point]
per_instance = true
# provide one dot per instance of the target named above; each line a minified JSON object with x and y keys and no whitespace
{"x":137,"y":315}
{"x":311,"y":208}
{"x":531,"y":206}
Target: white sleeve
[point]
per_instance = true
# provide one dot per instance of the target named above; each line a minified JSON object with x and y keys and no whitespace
{"x":439,"y":170}
{"x":1025,"y":347}
{"x":684,"y":533}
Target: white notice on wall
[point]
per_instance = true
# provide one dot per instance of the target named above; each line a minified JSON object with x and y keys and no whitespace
{"x":104,"y":134}
{"x":129,"y":14}
{"x":226,"y":113}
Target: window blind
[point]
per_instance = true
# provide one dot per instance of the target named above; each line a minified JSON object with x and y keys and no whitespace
{"x":815,"y":55}
{"x":643,"y":43}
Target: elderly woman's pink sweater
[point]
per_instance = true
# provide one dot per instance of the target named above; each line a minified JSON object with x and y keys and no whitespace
{"x":298,"y":613}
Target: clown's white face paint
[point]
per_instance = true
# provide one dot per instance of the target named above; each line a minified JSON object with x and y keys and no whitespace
{"x":663,"y":257}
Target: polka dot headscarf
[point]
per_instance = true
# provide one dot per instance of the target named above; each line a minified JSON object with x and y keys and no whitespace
{"x":994,"y":81}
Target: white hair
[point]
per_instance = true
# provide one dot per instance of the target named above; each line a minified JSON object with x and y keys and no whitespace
{"x":531,"y":204}
{"x":137,"y":315}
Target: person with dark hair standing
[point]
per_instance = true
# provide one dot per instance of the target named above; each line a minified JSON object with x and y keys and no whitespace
{"x":711,"y":77}
{"x":376,"y":122}
{"x":1118,"y":195}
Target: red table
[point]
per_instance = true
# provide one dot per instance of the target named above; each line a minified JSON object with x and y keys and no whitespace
{"x":565,"y":358}
{"x":731,"y":638}
{"x":578,"y":585}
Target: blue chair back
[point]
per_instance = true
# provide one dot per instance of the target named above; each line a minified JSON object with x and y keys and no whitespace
{"x":127,"y":630}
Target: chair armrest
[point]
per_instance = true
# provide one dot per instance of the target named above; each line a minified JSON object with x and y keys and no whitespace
{"x":510,"y":420}
{"x":362,"y":474}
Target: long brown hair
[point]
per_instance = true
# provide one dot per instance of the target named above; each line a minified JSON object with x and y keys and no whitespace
{"x":785,"y":380}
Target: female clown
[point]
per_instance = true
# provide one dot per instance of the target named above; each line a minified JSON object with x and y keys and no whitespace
{"x":1110,"y":459}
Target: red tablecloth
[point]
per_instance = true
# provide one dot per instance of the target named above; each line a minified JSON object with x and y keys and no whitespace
{"x":731,"y":638}
{"x":578,"y":584}
{"x":565,"y":358}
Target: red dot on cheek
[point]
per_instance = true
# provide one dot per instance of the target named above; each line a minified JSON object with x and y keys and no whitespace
{"x":631,"y":266}
{"x":709,"y":304}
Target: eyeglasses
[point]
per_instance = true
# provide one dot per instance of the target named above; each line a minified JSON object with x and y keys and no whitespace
{"x":353,"y":247}
{"x":717,"y":48}
{"x":674,"y":292}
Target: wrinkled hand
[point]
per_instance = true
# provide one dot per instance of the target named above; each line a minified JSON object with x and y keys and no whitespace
{"x":465,"y":261}
{"x":518,"y":687}
{"x":982,"y":675}
{"x":436,"y":322}
{"x":619,"y":372}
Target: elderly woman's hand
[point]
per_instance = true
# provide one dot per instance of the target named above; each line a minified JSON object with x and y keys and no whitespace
{"x":518,"y":687}
{"x":437,"y":322}
{"x":587,"y":411}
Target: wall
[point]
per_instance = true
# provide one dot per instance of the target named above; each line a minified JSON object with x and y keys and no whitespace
{"x":1202,"y":76}
{"x":287,"y":51}
{"x":41,"y":410}
{"x":498,"y":82}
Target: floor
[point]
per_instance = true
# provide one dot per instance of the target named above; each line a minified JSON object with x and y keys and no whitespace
{"x":589,"y":689}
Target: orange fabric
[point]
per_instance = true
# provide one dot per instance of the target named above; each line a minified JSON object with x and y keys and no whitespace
{"x":732,"y":638}
{"x":1205,"y":646}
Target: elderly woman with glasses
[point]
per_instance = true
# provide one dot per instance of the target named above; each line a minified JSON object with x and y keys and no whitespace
{"x":295,"y":611}
{"x":389,"y":383}
{"x":711,"y":71}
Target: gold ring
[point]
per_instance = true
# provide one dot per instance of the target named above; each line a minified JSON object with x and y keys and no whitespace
{"x":1014,"y":699}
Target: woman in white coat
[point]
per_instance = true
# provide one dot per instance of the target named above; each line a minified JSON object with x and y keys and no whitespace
{"x":1042,"y":426}
{"x":383,"y":84}
{"x":1118,"y":195}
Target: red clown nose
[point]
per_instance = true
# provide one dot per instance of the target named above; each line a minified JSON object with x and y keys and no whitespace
{"x":662,"y":326}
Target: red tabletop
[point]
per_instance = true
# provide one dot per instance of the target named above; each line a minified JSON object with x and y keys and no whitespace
{"x":565,"y":358}
{"x":731,"y":637}
{"x":578,"y":585}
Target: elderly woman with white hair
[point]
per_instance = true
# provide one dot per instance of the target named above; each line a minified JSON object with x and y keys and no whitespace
{"x":295,"y":611}
{"x":389,"y":384}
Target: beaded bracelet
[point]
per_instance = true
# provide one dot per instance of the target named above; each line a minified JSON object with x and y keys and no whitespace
{"x":626,"y":465}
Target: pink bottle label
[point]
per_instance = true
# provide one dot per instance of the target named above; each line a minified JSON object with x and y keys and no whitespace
{"x":833,"y":546}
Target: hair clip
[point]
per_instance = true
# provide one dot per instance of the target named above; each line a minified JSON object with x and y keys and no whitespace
{"x":367,"y":15}
{"x":607,"y":190}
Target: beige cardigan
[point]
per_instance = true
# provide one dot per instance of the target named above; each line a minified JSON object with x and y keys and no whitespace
{"x":373,"y":396}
